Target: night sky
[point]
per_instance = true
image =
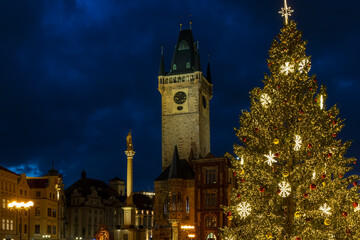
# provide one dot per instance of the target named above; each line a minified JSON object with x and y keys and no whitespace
{"x":76,"y":75}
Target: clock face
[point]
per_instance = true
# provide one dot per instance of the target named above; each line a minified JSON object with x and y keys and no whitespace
{"x":204,"y":101}
{"x":180,"y":97}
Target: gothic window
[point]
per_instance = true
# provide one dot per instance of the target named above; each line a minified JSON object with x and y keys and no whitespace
{"x":207,"y":221}
{"x":183,"y":45}
{"x":174,"y":67}
{"x":173,"y":202}
{"x":188,"y":65}
{"x":211,"y":236}
{"x":187,"y":205}
{"x":183,"y":79}
{"x":213,"y":221}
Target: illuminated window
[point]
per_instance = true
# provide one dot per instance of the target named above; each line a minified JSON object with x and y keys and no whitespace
{"x":213,"y":221}
{"x":207,"y":221}
{"x":211,"y":236}
{"x":187,"y":205}
{"x":210,"y":176}
{"x":188,"y":65}
{"x":4,"y":203}
{"x":174,"y":67}
{"x":183,"y":45}
{"x":7,"y":224}
{"x":12,"y":225}
{"x":3,"y":224}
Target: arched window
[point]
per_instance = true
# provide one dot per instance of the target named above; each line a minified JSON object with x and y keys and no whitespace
{"x":173,"y":202}
{"x":213,"y":221}
{"x":211,"y":236}
{"x":207,"y":221}
{"x":187,"y":205}
{"x":183,"y":45}
{"x":183,"y":79}
{"x":174,"y":67}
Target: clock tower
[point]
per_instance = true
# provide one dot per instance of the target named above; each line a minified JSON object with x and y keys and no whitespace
{"x":185,"y":102}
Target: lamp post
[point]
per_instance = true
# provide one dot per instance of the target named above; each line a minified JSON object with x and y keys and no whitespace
{"x":21,"y":206}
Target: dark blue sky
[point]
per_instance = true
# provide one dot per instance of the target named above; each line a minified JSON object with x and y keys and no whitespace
{"x":76,"y":75}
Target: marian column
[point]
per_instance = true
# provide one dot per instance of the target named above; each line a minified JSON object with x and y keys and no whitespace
{"x":129,"y":183}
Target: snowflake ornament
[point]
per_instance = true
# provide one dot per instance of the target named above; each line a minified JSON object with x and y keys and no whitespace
{"x":325,"y":209}
{"x":287,"y":68}
{"x":298,"y":143}
{"x":244,"y":209}
{"x":357,"y":209}
{"x":270,"y":159}
{"x":304,"y":66}
{"x":265,"y":100}
{"x":285,"y":189}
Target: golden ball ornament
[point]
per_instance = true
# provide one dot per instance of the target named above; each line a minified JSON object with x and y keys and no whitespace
{"x":276,"y":141}
{"x":269,"y":235}
{"x":327,"y":222}
{"x":285,"y":174}
{"x":297,"y":214}
{"x":313,"y":121}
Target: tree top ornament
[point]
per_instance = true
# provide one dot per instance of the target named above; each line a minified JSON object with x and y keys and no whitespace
{"x":286,"y":12}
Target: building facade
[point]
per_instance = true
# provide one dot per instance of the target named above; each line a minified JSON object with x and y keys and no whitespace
{"x":44,"y":218}
{"x":194,"y":184}
{"x":91,"y":203}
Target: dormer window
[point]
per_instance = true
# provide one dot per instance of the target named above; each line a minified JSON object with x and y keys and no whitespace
{"x":183,"y":45}
{"x":174,"y":67}
{"x":188,"y":65}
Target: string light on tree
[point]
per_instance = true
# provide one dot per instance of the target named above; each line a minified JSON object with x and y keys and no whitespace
{"x":325,"y":209}
{"x":244,"y":209}
{"x":285,"y":189}
{"x":242,"y":160}
{"x":287,"y":68}
{"x":314,"y":175}
{"x":270,"y":159}
{"x":298,"y":143}
{"x":321,"y":102}
{"x":265,"y":100}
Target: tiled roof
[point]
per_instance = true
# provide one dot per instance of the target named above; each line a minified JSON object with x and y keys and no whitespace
{"x":7,"y":170}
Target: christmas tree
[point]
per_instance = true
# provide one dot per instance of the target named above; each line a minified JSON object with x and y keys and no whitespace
{"x":290,"y":172}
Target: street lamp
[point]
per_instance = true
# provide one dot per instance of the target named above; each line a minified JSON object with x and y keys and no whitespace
{"x":21,"y":206}
{"x":46,"y":236}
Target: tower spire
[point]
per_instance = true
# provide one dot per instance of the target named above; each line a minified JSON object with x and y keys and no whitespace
{"x":286,"y":12}
{"x":162,"y":64}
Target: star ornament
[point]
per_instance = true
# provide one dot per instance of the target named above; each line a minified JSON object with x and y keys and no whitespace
{"x":325,"y":209}
{"x":265,"y":100}
{"x":298,"y":143}
{"x":287,"y":68}
{"x":244,"y":209}
{"x":270,"y":159}
{"x":304,"y":66}
{"x":285,"y":189}
{"x":286,"y":12}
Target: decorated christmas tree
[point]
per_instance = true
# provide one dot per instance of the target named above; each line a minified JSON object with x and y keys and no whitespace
{"x":290,"y":180}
